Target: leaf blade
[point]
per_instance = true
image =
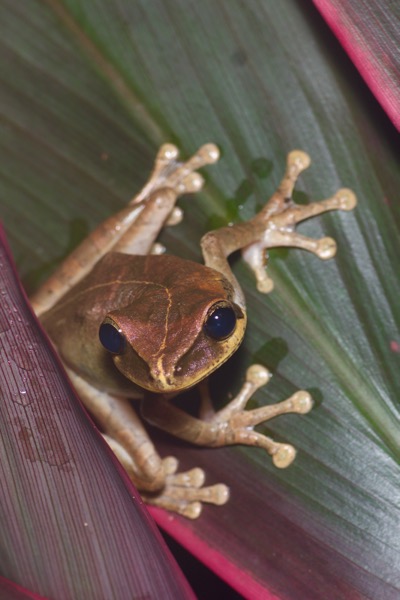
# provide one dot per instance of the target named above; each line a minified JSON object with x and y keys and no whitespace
{"x":262,"y":79}
{"x":369,"y":33}
{"x":73,"y":525}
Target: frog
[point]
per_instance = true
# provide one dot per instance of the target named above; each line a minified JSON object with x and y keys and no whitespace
{"x":135,"y":327}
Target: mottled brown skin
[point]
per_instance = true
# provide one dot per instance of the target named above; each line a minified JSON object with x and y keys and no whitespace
{"x":160,"y":304}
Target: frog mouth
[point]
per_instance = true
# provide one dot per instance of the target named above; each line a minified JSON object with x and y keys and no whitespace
{"x":153,"y":378}
{"x":169,"y":383}
{"x":162,"y":373}
{"x":157,"y":380}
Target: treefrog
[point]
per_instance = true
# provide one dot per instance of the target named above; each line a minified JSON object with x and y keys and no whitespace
{"x":135,"y":326}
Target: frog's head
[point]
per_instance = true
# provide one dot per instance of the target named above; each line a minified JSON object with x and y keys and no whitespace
{"x":176,"y":332}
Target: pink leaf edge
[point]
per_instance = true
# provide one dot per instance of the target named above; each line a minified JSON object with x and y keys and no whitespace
{"x":237,"y":578}
{"x":11,"y":591}
{"x":371,"y":64}
{"x":65,"y":479}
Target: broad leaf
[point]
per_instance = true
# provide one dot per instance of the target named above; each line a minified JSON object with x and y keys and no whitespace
{"x":11,"y":591}
{"x":369,"y":31}
{"x":89,"y":90}
{"x":61,"y":534}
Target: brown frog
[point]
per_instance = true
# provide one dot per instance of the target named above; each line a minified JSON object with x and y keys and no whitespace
{"x":131,"y":323}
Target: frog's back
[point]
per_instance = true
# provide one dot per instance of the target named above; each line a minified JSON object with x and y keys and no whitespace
{"x":117,"y":277}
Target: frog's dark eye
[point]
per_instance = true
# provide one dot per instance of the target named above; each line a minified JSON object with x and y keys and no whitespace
{"x":220,"y":323}
{"x":112,"y":338}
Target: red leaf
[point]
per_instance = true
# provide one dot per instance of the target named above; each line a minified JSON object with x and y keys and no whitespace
{"x":11,"y":591}
{"x":73,"y":526}
{"x":369,"y":31}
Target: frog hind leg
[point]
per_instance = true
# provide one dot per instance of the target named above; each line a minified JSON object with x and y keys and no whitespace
{"x":168,"y":180}
{"x":134,"y":229}
{"x":156,"y":478}
{"x":273,"y":226}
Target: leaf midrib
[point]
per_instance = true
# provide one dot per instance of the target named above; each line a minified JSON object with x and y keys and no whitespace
{"x":117,"y":83}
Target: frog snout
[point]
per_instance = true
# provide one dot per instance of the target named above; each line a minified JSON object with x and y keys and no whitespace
{"x":162,"y":380}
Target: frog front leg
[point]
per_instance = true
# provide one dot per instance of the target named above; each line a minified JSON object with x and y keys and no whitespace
{"x":232,"y":425}
{"x":156,"y":478}
{"x":273,"y":226}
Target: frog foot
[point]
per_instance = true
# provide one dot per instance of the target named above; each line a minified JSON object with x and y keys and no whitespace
{"x":184,"y":493}
{"x":181,"y":177}
{"x":280,"y":216}
{"x":235,"y":425}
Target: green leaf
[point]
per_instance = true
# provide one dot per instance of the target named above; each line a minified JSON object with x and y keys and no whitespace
{"x":89,"y":90}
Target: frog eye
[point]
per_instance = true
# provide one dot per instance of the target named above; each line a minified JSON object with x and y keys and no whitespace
{"x":220,"y":323}
{"x":112,"y":338}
